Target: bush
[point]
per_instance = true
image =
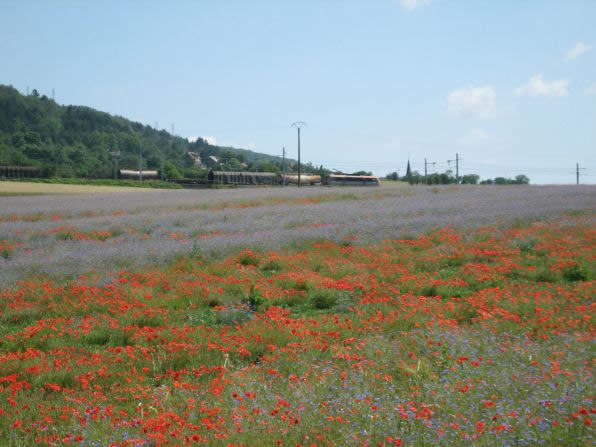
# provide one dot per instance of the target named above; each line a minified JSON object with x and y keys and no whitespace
{"x":323,"y":299}
{"x":254,"y":300}
{"x":576,"y":272}
{"x":272,"y":266}
{"x":248,"y":258}
{"x":170,"y":171}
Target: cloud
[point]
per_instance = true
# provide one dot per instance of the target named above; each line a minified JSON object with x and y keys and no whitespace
{"x":413,"y":4}
{"x":579,"y":49}
{"x":472,"y":101}
{"x":474,"y":136}
{"x":591,"y":90}
{"x":537,"y":86}
{"x":210,"y":140}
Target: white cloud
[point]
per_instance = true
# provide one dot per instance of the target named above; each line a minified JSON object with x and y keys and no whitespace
{"x":473,"y":101}
{"x":537,"y":86}
{"x":591,"y":90}
{"x":192,"y":139}
{"x":210,"y":140}
{"x":579,"y":49}
{"x":474,"y":136}
{"x":413,"y":4}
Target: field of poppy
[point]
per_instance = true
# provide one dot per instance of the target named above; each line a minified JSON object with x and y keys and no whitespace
{"x":468,"y":333}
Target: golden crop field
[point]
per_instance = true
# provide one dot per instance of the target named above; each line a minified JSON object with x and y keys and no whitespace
{"x":30,"y":188}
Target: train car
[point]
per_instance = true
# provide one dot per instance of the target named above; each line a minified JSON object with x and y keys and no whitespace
{"x":305,"y":179}
{"x":350,"y":180}
{"x":243,"y":178}
{"x":127,"y":174}
{"x":19,"y":171}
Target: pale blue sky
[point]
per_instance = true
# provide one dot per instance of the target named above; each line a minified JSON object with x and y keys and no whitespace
{"x":509,"y":84}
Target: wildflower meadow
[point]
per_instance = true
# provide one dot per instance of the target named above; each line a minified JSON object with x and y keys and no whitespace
{"x":399,"y":316}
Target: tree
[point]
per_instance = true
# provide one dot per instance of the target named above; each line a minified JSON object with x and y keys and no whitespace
{"x":470,"y":179}
{"x":72,"y":140}
{"x":522,"y":179}
{"x":170,"y":171}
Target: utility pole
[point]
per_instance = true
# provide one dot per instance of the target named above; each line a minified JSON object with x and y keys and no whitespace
{"x":283,"y":166}
{"x":577,"y":169}
{"x":27,"y":89}
{"x":426,"y":170}
{"x":140,"y":166}
{"x":298,"y":125}
{"x":172,"y":129}
{"x":53,"y":95}
{"x":457,"y":160}
{"x":115,"y":155}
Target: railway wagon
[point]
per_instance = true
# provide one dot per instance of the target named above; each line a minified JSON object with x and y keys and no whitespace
{"x":127,"y":174}
{"x":350,"y":180}
{"x":19,"y":171}
{"x":243,"y":178}
{"x":305,"y":179}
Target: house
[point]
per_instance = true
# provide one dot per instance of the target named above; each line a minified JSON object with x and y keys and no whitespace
{"x":211,"y":160}
{"x":196,"y":160}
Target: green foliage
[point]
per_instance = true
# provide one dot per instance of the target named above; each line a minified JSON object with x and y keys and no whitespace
{"x":322,"y":299}
{"x":75,"y":141}
{"x":518,"y":180}
{"x":470,"y":179}
{"x":247,"y":259}
{"x":170,"y":171}
{"x":576,"y":272}
{"x":253,"y":300}
{"x":272,"y":266}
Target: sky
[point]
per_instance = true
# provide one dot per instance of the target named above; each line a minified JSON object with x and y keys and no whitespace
{"x":508,"y":85}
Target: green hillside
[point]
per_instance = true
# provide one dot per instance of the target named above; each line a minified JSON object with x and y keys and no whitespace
{"x":73,"y":141}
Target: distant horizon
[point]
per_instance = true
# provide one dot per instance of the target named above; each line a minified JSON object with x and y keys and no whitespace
{"x":401,"y":172}
{"x":510,"y":87}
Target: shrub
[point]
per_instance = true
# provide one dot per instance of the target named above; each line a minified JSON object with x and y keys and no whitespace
{"x":272,"y":266}
{"x":576,"y":272}
{"x":248,"y":258}
{"x":429,"y":291}
{"x":254,"y":299}
{"x":323,"y":299}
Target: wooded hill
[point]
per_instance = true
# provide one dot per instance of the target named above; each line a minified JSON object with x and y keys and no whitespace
{"x":73,"y":141}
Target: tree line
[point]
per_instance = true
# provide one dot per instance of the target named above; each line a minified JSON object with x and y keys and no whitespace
{"x":447,"y":178}
{"x":81,"y":142}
